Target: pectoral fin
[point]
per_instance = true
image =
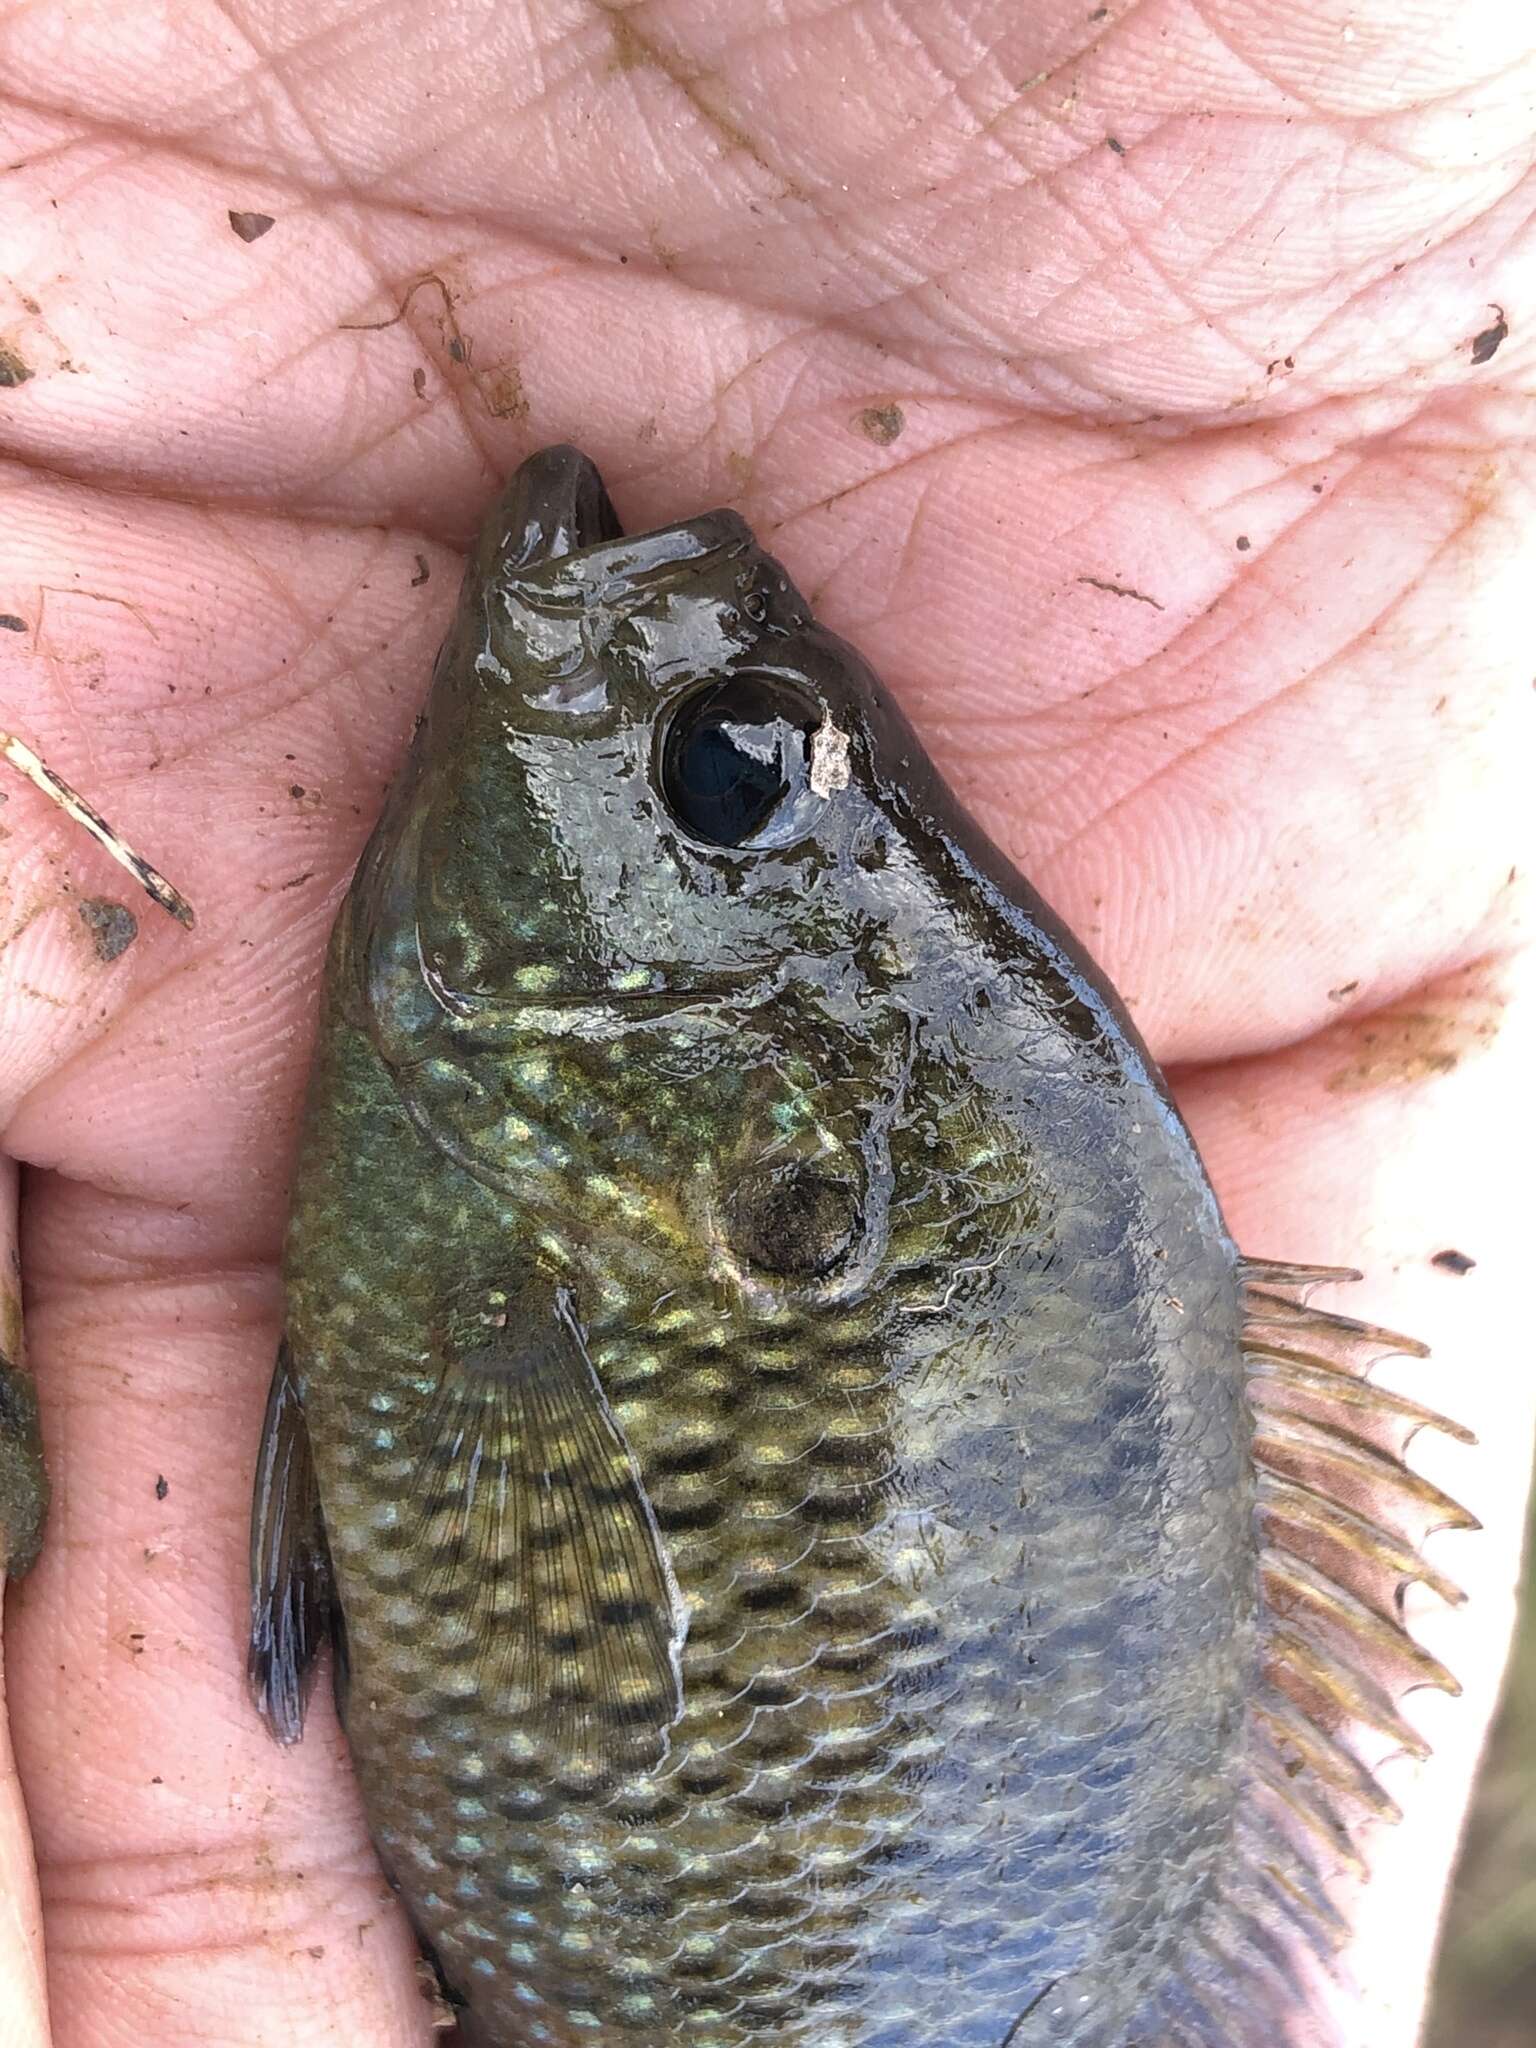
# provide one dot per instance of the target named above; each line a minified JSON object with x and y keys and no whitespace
{"x":293,"y":1601}
{"x":546,"y":1571}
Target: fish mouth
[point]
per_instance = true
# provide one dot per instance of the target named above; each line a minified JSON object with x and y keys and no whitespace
{"x":477,"y":1009}
{"x":556,"y":506}
{"x":556,"y":531}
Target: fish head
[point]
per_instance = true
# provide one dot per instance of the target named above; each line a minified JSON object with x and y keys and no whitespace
{"x":650,"y":776}
{"x":670,"y":865}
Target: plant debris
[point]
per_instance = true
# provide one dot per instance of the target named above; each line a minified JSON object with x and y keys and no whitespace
{"x":54,"y":787}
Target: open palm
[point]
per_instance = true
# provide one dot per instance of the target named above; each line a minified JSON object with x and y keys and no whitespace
{"x":1145,"y":388}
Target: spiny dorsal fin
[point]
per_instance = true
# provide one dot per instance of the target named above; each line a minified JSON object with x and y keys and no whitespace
{"x":1341,"y":1521}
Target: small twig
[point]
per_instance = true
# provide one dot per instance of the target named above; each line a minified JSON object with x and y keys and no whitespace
{"x":458,"y":346}
{"x":57,"y":790}
{"x":47,"y":590}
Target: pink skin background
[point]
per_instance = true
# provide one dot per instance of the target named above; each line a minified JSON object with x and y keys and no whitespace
{"x":1174,"y":298}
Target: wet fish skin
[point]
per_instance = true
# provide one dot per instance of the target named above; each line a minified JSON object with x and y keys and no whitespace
{"x":24,"y":1488}
{"x":763,"y":1403}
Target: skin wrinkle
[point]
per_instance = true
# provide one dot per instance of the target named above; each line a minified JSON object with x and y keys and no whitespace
{"x":1290,"y":688}
{"x":476,"y":443}
{"x":271,"y":712}
{"x":350,"y":223}
{"x":628,"y":40}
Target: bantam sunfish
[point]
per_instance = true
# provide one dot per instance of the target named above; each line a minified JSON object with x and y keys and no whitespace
{"x":826,"y":1541}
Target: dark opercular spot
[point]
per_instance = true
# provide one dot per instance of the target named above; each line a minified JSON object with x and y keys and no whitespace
{"x":112,"y":926}
{"x":792,"y":1220}
{"x":1450,"y":1261}
{"x":250,"y":227}
{"x":1487,"y":344}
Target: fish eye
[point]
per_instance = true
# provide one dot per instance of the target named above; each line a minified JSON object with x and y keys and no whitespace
{"x":736,"y":761}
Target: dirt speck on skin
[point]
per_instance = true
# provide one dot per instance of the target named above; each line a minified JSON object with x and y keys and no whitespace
{"x":1400,"y":1048}
{"x":1487,"y":344}
{"x":162,"y":1486}
{"x":880,"y":423}
{"x":13,"y":370}
{"x":112,"y":926}
{"x":1344,"y":990}
{"x":9,"y":623}
{"x":739,"y":468}
{"x":423,"y":571}
{"x":434,"y":1990}
{"x":1114,"y":143}
{"x":505,"y":398}
{"x":419,"y":381}
{"x":1452,"y":1261}
{"x":250,"y":227}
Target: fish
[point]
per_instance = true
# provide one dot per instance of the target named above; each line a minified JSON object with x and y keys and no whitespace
{"x":24,"y":1485}
{"x":823,"y":1537}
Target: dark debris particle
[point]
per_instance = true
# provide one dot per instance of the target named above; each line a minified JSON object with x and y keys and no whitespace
{"x":13,"y":370}
{"x":880,"y":423}
{"x":1344,"y":989}
{"x":1450,"y":1261}
{"x":423,"y":571}
{"x":1114,"y":143}
{"x":1113,"y":589}
{"x":112,"y":926}
{"x":297,"y":790}
{"x":1487,"y":344}
{"x":9,"y":623}
{"x":250,"y":227}
{"x":162,"y":1486}
{"x":419,"y":381}
{"x":1243,"y":543}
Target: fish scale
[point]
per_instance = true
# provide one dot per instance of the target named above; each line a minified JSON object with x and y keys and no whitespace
{"x":765,"y":1408}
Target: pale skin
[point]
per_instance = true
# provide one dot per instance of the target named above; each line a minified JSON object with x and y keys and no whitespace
{"x":1107,"y":374}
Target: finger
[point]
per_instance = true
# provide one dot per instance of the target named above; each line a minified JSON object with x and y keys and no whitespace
{"x":23,"y":1998}
{"x":1379,"y":1144}
{"x":199,"y":1884}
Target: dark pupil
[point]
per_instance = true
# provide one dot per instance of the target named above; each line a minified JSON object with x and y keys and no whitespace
{"x":733,"y":759}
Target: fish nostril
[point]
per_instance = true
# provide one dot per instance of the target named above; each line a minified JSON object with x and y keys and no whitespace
{"x":795,"y":1221}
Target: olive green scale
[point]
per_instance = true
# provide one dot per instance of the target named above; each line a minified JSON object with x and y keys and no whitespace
{"x":762,"y":1413}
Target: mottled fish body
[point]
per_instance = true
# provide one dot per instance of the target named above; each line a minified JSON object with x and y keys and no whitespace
{"x":827,"y":1541}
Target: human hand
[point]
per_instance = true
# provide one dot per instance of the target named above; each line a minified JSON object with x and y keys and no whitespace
{"x":1129,"y":383}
